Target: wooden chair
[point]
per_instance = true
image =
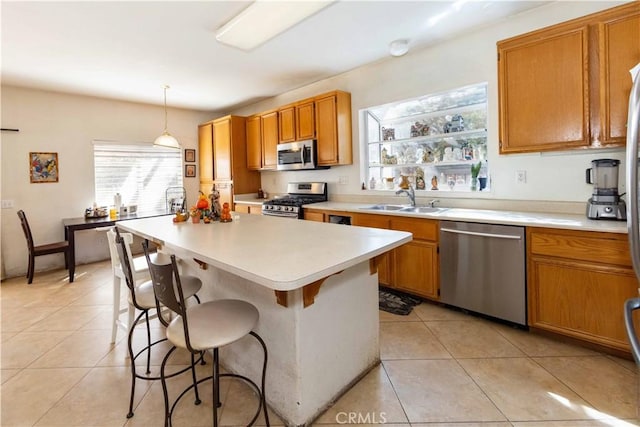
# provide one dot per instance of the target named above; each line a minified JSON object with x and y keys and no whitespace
{"x":47,"y":249}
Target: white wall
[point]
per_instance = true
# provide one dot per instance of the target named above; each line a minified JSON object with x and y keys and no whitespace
{"x":67,"y":124}
{"x":465,"y":60}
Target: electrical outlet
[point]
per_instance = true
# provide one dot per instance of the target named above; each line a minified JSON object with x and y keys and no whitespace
{"x":343,"y":180}
{"x":7,"y":204}
{"x":521,"y":177}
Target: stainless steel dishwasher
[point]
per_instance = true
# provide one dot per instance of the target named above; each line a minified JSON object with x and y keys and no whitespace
{"x":482,"y":269}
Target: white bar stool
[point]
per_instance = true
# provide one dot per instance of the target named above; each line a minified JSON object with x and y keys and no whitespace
{"x":140,"y":271}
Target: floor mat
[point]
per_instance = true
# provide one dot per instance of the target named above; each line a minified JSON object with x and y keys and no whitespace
{"x":396,"y":302}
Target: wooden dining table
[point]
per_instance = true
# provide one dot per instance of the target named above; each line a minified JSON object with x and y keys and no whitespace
{"x":71,"y":225}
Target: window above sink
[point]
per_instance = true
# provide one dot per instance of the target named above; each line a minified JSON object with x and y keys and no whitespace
{"x":438,"y":141}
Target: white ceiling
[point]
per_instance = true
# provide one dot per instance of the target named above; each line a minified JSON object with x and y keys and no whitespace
{"x":129,"y":50}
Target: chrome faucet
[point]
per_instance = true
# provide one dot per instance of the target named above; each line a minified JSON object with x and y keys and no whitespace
{"x":433,"y":202}
{"x":411,"y":193}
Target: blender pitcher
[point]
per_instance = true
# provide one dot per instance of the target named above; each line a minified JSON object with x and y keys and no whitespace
{"x":603,"y":174}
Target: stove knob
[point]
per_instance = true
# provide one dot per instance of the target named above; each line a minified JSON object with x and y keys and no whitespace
{"x":279,"y":208}
{"x":288,"y":209}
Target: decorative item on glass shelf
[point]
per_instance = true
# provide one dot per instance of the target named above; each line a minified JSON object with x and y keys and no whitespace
{"x":434,"y":182}
{"x":387,"y":159}
{"x":388,"y":134}
{"x":388,"y":182}
{"x":419,"y":129}
{"x":454,"y":124}
{"x":420,"y":184}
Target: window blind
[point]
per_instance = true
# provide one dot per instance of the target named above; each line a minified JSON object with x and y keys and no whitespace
{"x":141,"y":173}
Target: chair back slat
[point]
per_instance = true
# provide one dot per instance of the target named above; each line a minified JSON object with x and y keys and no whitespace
{"x":26,"y":229}
{"x":125,"y":265}
{"x":168,"y":289}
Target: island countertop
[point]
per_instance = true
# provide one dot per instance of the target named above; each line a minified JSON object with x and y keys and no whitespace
{"x":279,"y":253}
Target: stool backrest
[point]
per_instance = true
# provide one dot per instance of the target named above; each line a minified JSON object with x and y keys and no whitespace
{"x":168,"y":288}
{"x":26,"y":229}
{"x":124,"y":255}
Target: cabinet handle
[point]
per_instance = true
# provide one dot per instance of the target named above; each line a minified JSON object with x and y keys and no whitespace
{"x":475,"y":233}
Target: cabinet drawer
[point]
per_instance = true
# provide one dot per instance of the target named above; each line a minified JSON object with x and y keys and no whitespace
{"x":423,"y":229}
{"x":605,"y":248}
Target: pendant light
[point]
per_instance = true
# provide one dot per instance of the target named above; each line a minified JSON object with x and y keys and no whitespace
{"x":166,"y":139}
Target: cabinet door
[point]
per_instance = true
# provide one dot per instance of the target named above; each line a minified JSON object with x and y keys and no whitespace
{"x":580,"y":299}
{"x":305,"y":121}
{"x":242,"y":208}
{"x":255,"y":210}
{"x":619,"y":39}
{"x":327,"y":131}
{"x":415,"y":268}
{"x":377,"y":221}
{"x":269,"y":140}
{"x":254,"y":143}
{"x":222,"y":150}
{"x":313,"y":216}
{"x":287,"y":124}
{"x":543,"y":84}
{"x":205,"y":153}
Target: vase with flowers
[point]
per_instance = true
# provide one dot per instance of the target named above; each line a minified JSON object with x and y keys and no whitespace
{"x":475,"y":171}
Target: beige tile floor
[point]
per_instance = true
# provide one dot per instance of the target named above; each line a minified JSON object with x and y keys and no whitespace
{"x":439,"y":368}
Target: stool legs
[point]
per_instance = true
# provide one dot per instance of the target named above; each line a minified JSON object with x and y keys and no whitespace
{"x":115,"y":315}
{"x":133,"y":359}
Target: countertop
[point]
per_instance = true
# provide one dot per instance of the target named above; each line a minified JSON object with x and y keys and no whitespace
{"x":279,"y":253}
{"x":248,"y":199}
{"x":531,"y":219}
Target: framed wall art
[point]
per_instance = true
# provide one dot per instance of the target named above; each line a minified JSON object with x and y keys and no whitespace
{"x":190,"y":171}
{"x":43,"y":167}
{"x":189,"y":155}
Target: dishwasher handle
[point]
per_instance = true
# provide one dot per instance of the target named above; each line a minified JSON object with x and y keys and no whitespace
{"x":475,"y":233}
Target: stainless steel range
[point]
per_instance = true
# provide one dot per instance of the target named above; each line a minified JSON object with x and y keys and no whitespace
{"x":298,"y":194}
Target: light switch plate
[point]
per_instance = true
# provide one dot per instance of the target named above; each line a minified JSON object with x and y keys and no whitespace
{"x":7,"y":204}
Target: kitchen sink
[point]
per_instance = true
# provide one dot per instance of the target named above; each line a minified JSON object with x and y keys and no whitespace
{"x":422,"y":209}
{"x":385,"y":207}
{"x":404,"y":208}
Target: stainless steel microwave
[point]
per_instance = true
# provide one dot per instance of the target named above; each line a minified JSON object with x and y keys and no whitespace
{"x":297,"y":155}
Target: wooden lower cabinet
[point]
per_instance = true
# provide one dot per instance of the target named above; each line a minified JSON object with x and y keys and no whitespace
{"x":249,"y":209}
{"x":578,"y":283}
{"x":313,"y":216}
{"x":415,"y":268}
{"x":377,"y":221}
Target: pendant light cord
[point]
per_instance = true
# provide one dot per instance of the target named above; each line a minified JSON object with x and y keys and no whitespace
{"x":165,"y":108}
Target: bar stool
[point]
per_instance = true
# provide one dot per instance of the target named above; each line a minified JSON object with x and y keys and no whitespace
{"x":207,"y":326}
{"x":140,"y":271}
{"x":141,"y":297}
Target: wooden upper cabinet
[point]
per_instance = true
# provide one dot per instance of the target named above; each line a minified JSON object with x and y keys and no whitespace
{"x":269,"y":122}
{"x":287,"y":123}
{"x":222,"y":149}
{"x":333,"y":128}
{"x":543,"y":83}
{"x":262,"y":140}
{"x":305,"y":120}
{"x":567,"y":86}
{"x":619,"y":51}
{"x":254,"y":142}
{"x":205,"y":153}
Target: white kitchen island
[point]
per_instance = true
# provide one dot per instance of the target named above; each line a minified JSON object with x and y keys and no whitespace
{"x":315,"y":286}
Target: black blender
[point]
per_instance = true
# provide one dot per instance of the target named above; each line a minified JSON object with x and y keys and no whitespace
{"x":605,"y":202}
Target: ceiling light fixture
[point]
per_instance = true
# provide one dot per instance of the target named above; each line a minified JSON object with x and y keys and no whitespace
{"x":399,"y":47}
{"x":166,"y":139}
{"x":263,"y":20}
